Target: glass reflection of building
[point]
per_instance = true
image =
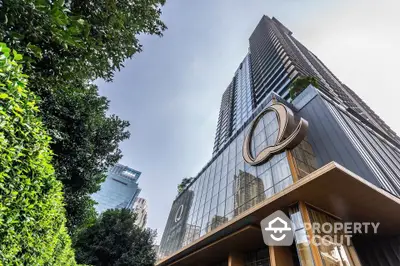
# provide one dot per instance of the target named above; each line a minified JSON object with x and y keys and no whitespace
{"x":249,"y":190}
{"x":119,"y":190}
{"x":347,"y":149}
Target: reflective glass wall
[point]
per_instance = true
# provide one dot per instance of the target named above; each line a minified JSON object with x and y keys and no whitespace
{"x":226,"y":188}
{"x":119,"y":190}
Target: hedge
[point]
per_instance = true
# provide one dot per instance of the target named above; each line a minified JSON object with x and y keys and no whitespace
{"x":32,"y":216}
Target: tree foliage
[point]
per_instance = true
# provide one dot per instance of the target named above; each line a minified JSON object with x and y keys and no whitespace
{"x":66,"y":45}
{"x":78,"y":38}
{"x":114,"y":239}
{"x":85,"y":143}
{"x":185,"y":182}
{"x":300,"y":84}
{"x":32,"y":217}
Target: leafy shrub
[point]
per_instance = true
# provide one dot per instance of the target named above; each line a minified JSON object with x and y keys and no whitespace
{"x":300,"y":84}
{"x":32,"y":218}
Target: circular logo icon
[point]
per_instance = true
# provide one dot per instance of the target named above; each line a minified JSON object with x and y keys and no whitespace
{"x":289,"y":135}
{"x":179,"y":213}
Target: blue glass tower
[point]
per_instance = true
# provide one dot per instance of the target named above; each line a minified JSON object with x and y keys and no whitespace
{"x":119,"y":190}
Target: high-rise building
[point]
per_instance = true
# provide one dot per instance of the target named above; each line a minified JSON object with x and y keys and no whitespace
{"x":236,"y":104}
{"x":321,"y":157}
{"x":276,"y":58}
{"x":119,"y":190}
{"x":140,"y":208}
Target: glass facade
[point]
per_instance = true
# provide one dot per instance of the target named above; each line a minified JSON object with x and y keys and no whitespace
{"x":304,"y":159}
{"x":332,"y":252}
{"x":242,"y":94}
{"x":300,"y":235}
{"x":236,"y":105}
{"x":119,"y":190}
{"x":226,"y":188}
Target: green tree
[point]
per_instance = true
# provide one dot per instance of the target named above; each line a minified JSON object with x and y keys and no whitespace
{"x":184,"y":183}
{"x":85,"y":143}
{"x":32,"y":217}
{"x":66,"y":45}
{"x":300,"y":84}
{"x":114,"y":239}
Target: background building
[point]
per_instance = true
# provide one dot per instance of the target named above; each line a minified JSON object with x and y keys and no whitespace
{"x":346,"y":169}
{"x":119,"y":190}
{"x":140,"y":208}
{"x":249,"y":190}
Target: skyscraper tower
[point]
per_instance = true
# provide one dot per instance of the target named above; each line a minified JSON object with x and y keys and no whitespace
{"x":119,"y":190}
{"x":321,"y":156}
{"x":275,"y":59}
{"x":236,"y":104}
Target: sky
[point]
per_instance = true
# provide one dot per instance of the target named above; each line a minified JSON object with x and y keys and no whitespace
{"x":171,"y":91}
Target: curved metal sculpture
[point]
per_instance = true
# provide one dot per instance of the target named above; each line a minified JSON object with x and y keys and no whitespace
{"x":289,"y":135}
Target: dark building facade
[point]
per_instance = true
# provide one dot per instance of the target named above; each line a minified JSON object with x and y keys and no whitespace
{"x":328,"y":163}
{"x":276,"y":58}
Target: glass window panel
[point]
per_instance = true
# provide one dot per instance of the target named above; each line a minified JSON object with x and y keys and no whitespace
{"x":269,"y":117}
{"x":261,"y":147}
{"x":239,"y":168}
{"x":263,"y":167}
{"x":259,"y":127}
{"x":212,"y":220}
{"x":221,"y":196}
{"x":269,"y":193}
{"x":231,"y":176}
{"x":302,"y":245}
{"x":224,"y":170}
{"x":221,"y":209}
{"x":214,"y":177}
{"x":207,"y":207}
{"x":232,"y":164}
{"x":259,"y":138}
{"x":230,"y":204}
{"x":215,"y":190}
{"x":200,"y":211}
{"x":229,"y":216}
{"x":223,"y":182}
{"x":230,"y":189}
{"x":271,"y":139}
{"x":276,"y":158}
{"x":190,"y":218}
{"x":214,"y":202}
{"x":204,"y":225}
{"x":251,"y":170}
{"x":280,"y":170}
{"x":283,"y":184}
{"x":271,"y":129}
{"x":209,"y":193}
